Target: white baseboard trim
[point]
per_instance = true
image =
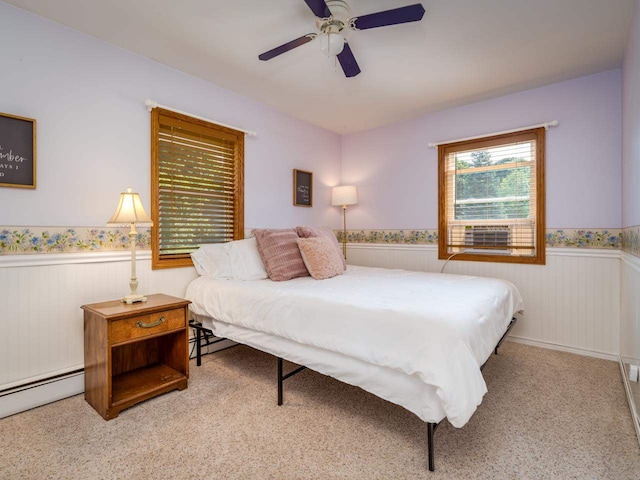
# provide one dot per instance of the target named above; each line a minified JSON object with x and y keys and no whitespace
{"x":31,"y":396}
{"x":37,"y":379}
{"x":563,"y":348}
{"x":630,"y":399}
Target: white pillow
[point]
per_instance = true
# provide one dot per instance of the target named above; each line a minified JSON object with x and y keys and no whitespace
{"x":237,"y":260}
{"x":246,"y":263}
{"x":212,"y":260}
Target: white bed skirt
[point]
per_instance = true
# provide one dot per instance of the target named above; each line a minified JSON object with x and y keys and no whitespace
{"x":407,"y":391}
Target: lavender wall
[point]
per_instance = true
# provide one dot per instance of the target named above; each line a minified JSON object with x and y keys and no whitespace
{"x":631,"y":126}
{"x":94,"y":130}
{"x":396,"y":171}
{"x":93,"y":140}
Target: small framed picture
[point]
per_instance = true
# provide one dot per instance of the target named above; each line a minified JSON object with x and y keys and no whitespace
{"x":302,"y":188}
{"x":17,"y":151}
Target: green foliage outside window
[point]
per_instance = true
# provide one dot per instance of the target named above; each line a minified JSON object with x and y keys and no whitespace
{"x":494,"y":194}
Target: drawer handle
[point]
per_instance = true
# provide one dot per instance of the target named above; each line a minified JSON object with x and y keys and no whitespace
{"x":150,"y":325}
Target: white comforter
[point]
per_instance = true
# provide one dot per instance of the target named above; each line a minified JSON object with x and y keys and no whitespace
{"x":438,"y":327}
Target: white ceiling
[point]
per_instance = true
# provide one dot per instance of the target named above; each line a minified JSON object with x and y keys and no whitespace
{"x":462,"y":51}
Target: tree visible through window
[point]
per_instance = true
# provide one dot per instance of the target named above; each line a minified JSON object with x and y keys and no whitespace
{"x":492,"y":198}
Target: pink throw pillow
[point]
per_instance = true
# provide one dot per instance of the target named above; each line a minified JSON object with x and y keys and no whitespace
{"x":323,"y":232}
{"x":280,"y":253}
{"x":320,"y":257}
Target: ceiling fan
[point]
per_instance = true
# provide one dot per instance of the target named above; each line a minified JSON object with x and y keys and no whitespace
{"x":332,"y":17}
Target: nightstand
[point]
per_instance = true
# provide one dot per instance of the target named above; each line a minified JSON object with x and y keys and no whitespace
{"x":134,"y":352}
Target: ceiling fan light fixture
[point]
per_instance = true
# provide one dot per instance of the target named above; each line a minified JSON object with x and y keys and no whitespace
{"x":332,"y":44}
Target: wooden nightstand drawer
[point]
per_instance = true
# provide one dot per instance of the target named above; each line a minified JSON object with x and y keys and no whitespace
{"x":145,"y":325}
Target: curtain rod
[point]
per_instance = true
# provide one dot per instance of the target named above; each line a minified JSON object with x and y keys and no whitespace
{"x":546,"y":126}
{"x":151,"y":105}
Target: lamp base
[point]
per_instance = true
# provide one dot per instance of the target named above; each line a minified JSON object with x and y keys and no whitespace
{"x":129,"y":299}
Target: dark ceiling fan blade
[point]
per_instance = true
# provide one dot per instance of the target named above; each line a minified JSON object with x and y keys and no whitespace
{"x":348,"y":62}
{"x":410,"y":13}
{"x":287,"y":46}
{"x":319,"y":8}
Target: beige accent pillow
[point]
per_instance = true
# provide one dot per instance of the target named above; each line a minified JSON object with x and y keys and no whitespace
{"x":280,"y":253}
{"x":324,"y":232}
{"x":320,"y":257}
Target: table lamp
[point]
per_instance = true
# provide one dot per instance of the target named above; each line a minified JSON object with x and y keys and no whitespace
{"x":342,"y":196}
{"x":131,"y":213}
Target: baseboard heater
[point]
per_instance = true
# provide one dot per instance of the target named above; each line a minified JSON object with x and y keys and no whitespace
{"x":35,"y":394}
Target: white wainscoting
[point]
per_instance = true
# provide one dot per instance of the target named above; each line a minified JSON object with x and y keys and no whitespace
{"x":572,"y":303}
{"x":41,"y":323}
{"x":630,"y":310}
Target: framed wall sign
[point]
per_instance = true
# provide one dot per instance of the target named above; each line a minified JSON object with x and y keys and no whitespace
{"x":302,"y":188}
{"x":17,"y":151}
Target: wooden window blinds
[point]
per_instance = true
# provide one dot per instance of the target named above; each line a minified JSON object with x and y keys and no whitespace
{"x":491,"y":198}
{"x":197,"y":182}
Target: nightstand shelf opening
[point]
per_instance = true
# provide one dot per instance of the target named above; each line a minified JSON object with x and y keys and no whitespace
{"x":137,"y":385}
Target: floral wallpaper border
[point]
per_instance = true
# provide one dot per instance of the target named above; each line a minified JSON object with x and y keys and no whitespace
{"x":578,"y":238}
{"x":631,"y":240}
{"x":424,"y":237}
{"x":30,"y":240}
{"x":574,"y":238}
{"x":26,"y":240}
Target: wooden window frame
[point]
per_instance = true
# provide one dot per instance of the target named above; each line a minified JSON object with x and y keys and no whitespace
{"x":184,"y":260}
{"x":540,"y":234}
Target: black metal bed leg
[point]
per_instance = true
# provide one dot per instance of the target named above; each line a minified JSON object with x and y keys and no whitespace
{"x":282,"y":377}
{"x":280,"y":380}
{"x":509,"y":327}
{"x":431,"y":428}
{"x":198,"y":347}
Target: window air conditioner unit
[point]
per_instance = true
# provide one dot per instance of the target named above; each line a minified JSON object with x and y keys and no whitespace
{"x":496,"y":236}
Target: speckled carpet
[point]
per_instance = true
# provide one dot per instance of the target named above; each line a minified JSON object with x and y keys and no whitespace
{"x":548,"y":414}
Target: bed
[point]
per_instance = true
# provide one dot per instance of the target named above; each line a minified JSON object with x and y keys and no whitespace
{"x":416,"y":339}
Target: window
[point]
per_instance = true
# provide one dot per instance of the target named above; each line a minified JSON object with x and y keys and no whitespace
{"x":491,"y":198}
{"x":197,"y":186}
